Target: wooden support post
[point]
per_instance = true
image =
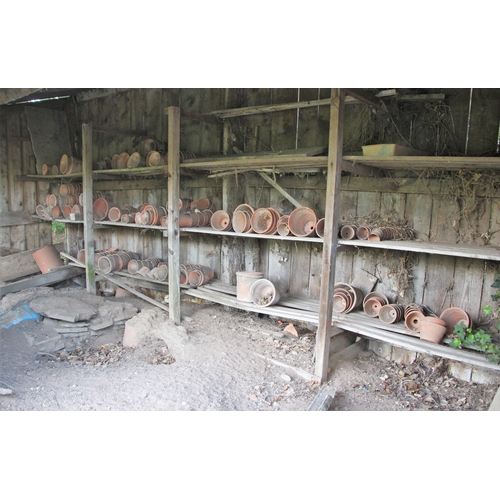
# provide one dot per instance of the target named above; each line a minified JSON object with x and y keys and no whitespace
{"x":173,"y":189}
{"x":88,"y":205}
{"x":330,"y":237}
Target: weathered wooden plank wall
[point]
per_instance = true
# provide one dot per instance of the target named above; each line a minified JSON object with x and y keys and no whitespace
{"x":17,"y":158}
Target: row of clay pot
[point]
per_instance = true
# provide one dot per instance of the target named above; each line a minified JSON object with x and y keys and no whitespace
{"x":195,"y":274}
{"x":415,"y":316}
{"x":373,"y":233}
{"x":110,"y":261}
{"x":246,"y":219}
{"x":153,"y":268}
{"x":138,"y":159}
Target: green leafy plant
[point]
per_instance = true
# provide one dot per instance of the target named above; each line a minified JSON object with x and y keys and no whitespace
{"x":478,"y":338}
{"x":58,"y":227}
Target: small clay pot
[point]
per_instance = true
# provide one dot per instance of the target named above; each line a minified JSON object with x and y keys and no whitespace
{"x":221,"y":221}
{"x":432,"y":329}
{"x":413,"y":321}
{"x":263,"y":293}
{"x":454,"y":316}
{"x":348,"y":232}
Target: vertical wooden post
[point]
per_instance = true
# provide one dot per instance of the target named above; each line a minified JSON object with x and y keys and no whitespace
{"x":331,"y":229}
{"x":88,"y":205}
{"x":174,"y":135}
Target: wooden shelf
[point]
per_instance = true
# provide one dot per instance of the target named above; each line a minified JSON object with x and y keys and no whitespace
{"x":307,"y":311}
{"x":206,"y":230}
{"x":123,"y":224}
{"x":457,"y":250}
{"x":426,"y":162}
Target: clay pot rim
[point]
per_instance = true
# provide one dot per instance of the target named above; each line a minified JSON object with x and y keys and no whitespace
{"x":380,"y":295}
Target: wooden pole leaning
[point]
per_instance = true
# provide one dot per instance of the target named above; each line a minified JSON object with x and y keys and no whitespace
{"x":330,"y":237}
{"x":88,"y":207}
{"x":173,"y":232}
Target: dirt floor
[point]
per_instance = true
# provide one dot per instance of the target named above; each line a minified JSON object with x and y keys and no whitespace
{"x":219,"y":359}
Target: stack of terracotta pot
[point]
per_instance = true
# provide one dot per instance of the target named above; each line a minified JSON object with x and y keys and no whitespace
{"x":302,"y":221}
{"x":195,"y":274}
{"x":153,"y":268}
{"x":346,"y":298}
{"x":113,"y":259}
{"x":69,"y":165}
{"x":194,"y":213}
{"x":67,"y":202}
{"x":374,"y":233}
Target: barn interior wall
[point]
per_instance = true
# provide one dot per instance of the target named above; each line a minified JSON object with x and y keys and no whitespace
{"x":466,"y":123}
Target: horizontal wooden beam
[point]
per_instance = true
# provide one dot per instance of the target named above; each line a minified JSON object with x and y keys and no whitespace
{"x":269,"y":108}
{"x":98,"y":93}
{"x":422,"y":97}
{"x":364,"y":170}
{"x":56,"y":276}
{"x":115,"y":131}
{"x":16,"y":219}
{"x":200,"y":117}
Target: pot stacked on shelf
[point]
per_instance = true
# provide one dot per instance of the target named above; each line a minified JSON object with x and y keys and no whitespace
{"x":266,"y":221}
{"x":417,"y":318}
{"x":68,"y":201}
{"x":375,"y":233}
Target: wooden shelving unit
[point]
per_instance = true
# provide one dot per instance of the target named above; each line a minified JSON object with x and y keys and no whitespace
{"x":331,"y":165}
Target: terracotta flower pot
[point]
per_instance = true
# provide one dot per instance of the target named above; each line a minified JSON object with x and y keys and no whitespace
{"x":242,"y":221}
{"x":244,"y":281}
{"x":47,"y":258}
{"x":454,"y":316}
{"x":362,"y":232}
{"x":391,"y":313}
{"x":262,"y":221}
{"x":302,"y":221}
{"x":372,"y":306}
{"x":263,"y":293}
{"x":221,"y":221}
{"x":348,"y":232}
{"x":320,"y":228}
{"x":413,"y":321}
{"x":432,"y":329}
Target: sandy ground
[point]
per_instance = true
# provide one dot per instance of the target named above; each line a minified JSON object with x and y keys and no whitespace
{"x":220,"y":363}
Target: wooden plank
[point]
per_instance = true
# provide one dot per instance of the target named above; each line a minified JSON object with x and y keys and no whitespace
{"x":365,"y":97}
{"x":331,"y":232}
{"x":17,"y":219}
{"x":18,"y":265}
{"x":484,"y":122}
{"x":309,"y":377}
{"x":251,"y":110}
{"x":174,"y":120}
{"x":308,"y":119}
{"x":98,"y":94}
{"x":468,"y":283}
{"x":280,"y":190}
{"x":323,"y":400}
{"x":427,"y":162}
{"x":60,"y":274}
{"x":348,"y":353}
{"x":141,"y":295}
{"x":88,"y":214}
{"x":439,"y":282}
{"x":190,"y":138}
{"x":210,"y":136}
{"x":445,"y":220}
{"x":392,"y":150}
